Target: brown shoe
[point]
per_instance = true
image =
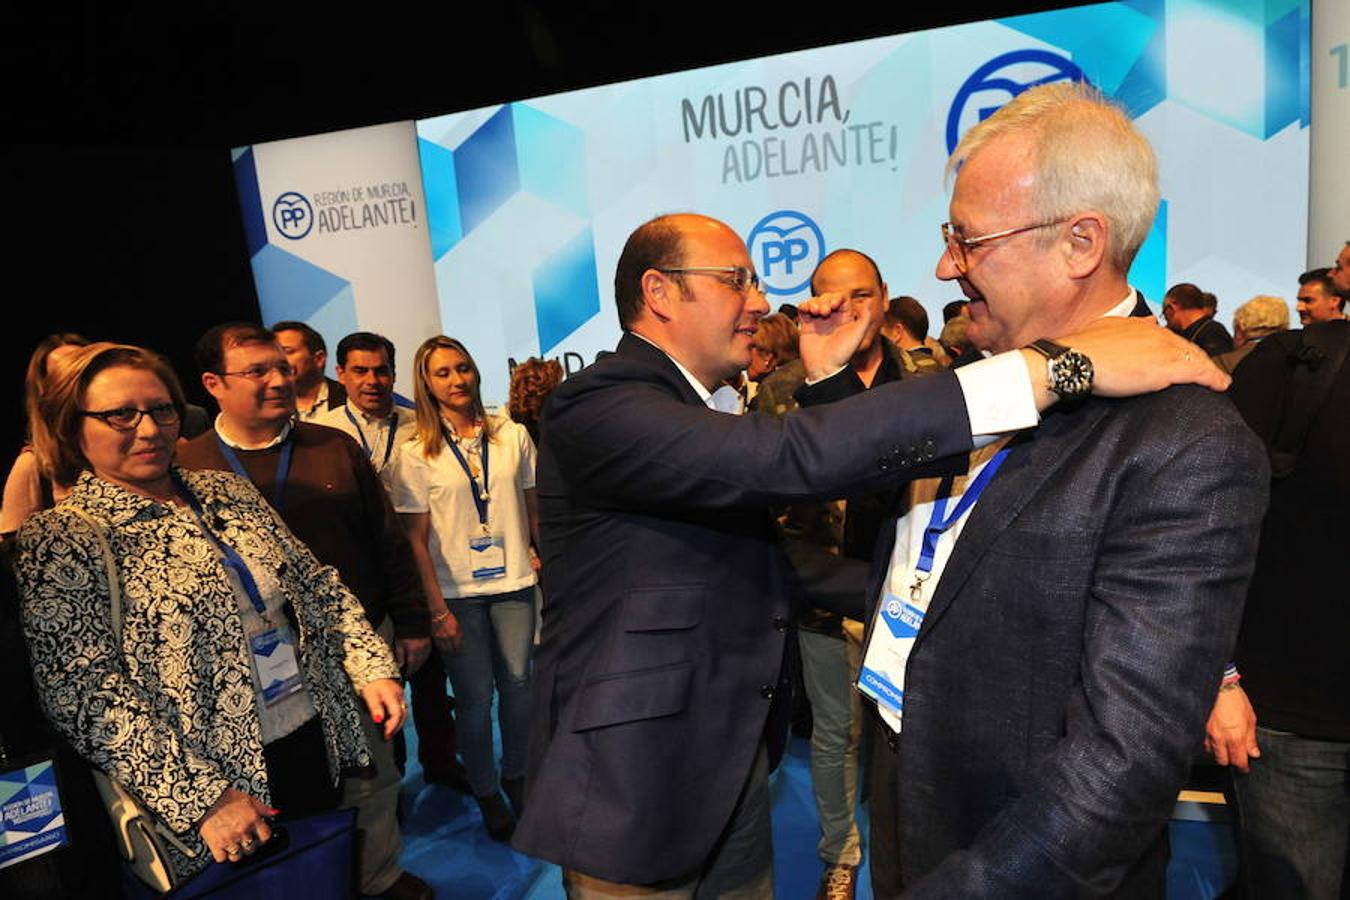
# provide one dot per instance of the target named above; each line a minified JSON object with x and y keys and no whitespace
{"x":838,"y":883}
{"x":408,"y":887}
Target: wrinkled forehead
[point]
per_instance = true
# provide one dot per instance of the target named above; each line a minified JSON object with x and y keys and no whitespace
{"x":993,"y":185}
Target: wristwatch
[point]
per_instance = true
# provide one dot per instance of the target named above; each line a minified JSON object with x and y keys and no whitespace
{"x":1069,"y":371}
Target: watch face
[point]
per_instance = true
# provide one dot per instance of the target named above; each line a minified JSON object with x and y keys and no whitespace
{"x":1071,"y":374}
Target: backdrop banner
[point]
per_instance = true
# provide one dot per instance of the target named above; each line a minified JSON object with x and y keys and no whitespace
{"x":336,"y":227}
{"x":527,"y":204}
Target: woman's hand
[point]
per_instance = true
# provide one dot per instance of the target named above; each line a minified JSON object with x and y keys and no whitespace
{"x":445,"y":632}
{"x":235,"y":826}
{"x":384,"y":699}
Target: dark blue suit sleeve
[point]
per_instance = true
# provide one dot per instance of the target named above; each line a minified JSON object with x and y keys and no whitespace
{"x":630,"y":440}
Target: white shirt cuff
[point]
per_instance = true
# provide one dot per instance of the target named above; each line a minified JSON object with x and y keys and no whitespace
{"x":998,"y":393}
{"x":811,"y":381}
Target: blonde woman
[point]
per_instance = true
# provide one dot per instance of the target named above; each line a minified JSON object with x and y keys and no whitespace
{"x":464,"y":487}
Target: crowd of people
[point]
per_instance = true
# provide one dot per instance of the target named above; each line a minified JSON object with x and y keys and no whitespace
{"x":995,"y":596}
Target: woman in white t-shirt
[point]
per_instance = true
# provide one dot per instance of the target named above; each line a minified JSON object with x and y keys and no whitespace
{"x":464,"y":487}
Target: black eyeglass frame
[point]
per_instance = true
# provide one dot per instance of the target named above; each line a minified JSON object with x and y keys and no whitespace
{"x":162,"y":414}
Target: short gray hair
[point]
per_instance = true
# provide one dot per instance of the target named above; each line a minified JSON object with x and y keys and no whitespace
{"x":1087,"y":154}
{"x":1262,"y":315}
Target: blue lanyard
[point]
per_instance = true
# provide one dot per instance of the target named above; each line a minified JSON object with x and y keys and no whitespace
{"x":283,"y":468}
{"x":361,"y":433}
{"x":480,"y":494}
{"x":232,"y":558}
{"x":937,"y":524}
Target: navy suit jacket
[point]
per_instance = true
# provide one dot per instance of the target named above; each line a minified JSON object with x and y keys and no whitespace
{"x":667,"y":598}
{"x":1058,"y":688}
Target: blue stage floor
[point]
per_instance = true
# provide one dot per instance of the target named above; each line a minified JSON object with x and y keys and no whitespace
{"x":445,"y":843}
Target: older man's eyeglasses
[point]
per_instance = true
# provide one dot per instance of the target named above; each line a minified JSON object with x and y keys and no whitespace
{"x":128,"y":418}
{"x":260,"y":372}
{"x":739,"y":278}
{"x":957,"y":246}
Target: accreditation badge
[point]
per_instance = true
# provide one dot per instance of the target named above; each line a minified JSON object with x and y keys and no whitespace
{"x":487,"y":557}
{"x":32,"y":820}
{"x":275,"y":663}
{"x":882,"y":676}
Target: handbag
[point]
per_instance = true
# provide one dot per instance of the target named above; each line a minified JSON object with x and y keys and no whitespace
{"x":141,"y":838}
{"x":307,"y":857}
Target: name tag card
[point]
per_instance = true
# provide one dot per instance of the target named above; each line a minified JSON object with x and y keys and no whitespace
{"x":882,"y":676}
{"x":32,"y":821}
{"x":275,"y":663}
{"x":487,"y":556}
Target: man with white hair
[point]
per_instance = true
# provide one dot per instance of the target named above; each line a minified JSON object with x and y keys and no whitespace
{"x":1258,"y":318}
{"x":1051,"y":618}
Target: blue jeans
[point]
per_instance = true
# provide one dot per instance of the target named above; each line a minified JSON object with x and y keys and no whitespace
{"x":498,"y":633}
{"x":1294,"y":815}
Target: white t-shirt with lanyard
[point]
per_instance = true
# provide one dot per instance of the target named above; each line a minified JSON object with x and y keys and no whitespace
{"x":479,"y":545}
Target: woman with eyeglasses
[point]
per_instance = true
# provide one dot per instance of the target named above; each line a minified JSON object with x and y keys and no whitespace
{"x":184,"y":641}
{"x":465,"y":490}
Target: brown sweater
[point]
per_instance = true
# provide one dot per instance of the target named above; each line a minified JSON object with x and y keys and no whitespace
{"x":334,"y":502}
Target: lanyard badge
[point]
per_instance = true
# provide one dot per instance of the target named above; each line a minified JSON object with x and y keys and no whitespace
{"x":899,"y":619}
{"x":392,"y":425}
{"x":273,"y":649}
{"x":487,"y":551}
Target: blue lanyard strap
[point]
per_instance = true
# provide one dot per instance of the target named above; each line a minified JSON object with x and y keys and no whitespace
{"x":937,"y":524}
{"x":232,"y":557}
{"x":361,"y":433}
{"x":283,"y":468}
{"x":480,"y":493}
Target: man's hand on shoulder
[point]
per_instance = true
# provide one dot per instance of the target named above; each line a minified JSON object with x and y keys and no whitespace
{"x":831,"y":330}
{"x":1137,"y":356}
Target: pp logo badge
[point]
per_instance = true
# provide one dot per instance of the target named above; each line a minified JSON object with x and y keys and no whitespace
{"x":1001,"y":79}
{"x":903,"y":619}
{"x":292,"y":215}
{"x":785,"y":247}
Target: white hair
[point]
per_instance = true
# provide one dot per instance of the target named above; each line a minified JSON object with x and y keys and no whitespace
{"x":1263,"y":314}
{"x":1087,"y":155}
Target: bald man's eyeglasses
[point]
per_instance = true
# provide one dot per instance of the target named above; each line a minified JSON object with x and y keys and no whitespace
{"x":739,"y":278}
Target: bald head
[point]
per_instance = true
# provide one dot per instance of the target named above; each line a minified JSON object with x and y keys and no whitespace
{"x":659,"y":243}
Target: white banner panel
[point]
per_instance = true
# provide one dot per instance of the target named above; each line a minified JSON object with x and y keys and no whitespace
{"x":337,"y":229}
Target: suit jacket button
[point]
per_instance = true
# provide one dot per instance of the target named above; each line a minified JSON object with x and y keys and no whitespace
{"x":766,"y":691}
{"x":780,"y":623}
